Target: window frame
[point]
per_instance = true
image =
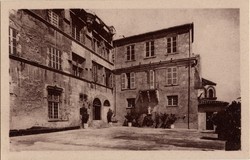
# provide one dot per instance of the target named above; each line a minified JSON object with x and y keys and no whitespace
{"x":55,"y":57}
{"x":150,"y":49}
{"x":12,"y":41}
{"x":172,"y":78}
{"x":172,"y":44}
{"x":53,"y":18}
{"x":77,"y":65}
{"x":54,"y":104}
{"x":171,"y":98}
{"x":130,"y":102}
{"x":128,"y":81}
{"x":76,"y":32}
{"x":130,"y":52}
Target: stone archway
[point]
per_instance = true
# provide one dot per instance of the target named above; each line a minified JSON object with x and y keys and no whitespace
{"x":97,"y":109}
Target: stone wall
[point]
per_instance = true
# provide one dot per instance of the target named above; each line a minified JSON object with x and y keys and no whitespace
{"x":30,"y":75}
{"x":160,"y":52}
{"x":181,"y":89}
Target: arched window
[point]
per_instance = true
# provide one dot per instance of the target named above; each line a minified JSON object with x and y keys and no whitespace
{"x":210,"y":93}
{"x":106,"y":103}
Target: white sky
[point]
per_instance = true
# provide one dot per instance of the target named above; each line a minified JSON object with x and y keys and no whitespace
{"x":216,"y":38}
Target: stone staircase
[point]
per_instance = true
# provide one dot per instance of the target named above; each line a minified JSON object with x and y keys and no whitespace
{"x":102,"y":124}
{"x":98,"y":124}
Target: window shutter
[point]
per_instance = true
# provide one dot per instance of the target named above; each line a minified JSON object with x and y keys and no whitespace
{"x":111,"y":80}
{"x":133,"y":52}
{"x":132,"y":80}
{"x":147,"y":49}
{"x":152,"y":48}
{"x":174,"y":71}
{"x":128,"y":53}
{"x":169,"y":76}
{"x":151,"y":78}
{"x":123,"y":77}
{"x":49,"y":55}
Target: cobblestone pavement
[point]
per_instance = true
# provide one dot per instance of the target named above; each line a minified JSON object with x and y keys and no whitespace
{"x":119,"y":138}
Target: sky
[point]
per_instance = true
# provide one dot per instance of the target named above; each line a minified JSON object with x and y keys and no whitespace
{"x":216,"y":38}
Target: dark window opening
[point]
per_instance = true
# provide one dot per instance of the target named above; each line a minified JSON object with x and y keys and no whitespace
{"x":54,"y":102}
{"x":172,"y":100}
{"x":77,"y":65}
{"x":131,"y":102}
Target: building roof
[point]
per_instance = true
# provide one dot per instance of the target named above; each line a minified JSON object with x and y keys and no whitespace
{"x":207,"y":82}
{"x":155,"y":34}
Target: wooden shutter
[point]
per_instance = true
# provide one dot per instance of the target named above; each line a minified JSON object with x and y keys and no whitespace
{"x":123,"y":77}
{"x":169,"y":76}
{"x":151,"y":79}
{"x":132,"y":80}
{"x":174,"y":77}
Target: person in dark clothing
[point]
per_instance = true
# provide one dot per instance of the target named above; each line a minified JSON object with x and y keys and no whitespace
{"x":109,"y":115}
{"x":84,"y":115}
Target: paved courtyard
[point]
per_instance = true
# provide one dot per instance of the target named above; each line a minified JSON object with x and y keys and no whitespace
{"x":119,"y":138}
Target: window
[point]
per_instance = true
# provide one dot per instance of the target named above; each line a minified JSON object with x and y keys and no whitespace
{"x":98,"y":73}
{"x":171,"y":44}
{"x":12,"y":41}
{"x":172,"y":100}
{"x":55,"y":60}
{"x":108,"y":54}
{"x":94,"y":44}
{"x":150,"y":49}
{"x":131,"y":102}
{"x":94,"y":72}
{"x":54,"y":102}
{"x":128,"y":80}
{"x":53,"y":18}
{"x":151,"y":79}
{"x":77,"y":65}
{"x":108,"y":78}
{"x":131,"y":52}
{"x":172,"y":76}
{"x":76,"y":32}
{"x":210,"y":93}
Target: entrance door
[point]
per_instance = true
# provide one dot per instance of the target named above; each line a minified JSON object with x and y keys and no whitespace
{"x":209,"y":123}
{"x":97,"y":109}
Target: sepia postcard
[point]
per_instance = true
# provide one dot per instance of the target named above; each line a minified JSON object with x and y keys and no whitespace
{"x":125,"y":79}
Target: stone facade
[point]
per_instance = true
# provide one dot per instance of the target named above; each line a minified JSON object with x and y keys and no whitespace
{"x":48,"y":57}
{"x":60,"y":57}
{"x":159,"y":64}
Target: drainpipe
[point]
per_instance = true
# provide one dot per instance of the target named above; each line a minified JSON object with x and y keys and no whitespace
{"x":114,"y":84}
{"x":189,"y":52}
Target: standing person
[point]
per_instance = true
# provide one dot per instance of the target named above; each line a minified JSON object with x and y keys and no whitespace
{"x":84,"y":115}
{"x":81,"y":115}
{"x":109,"y":115}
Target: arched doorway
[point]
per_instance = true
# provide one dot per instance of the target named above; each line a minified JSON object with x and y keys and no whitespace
{"x":97,"y":109}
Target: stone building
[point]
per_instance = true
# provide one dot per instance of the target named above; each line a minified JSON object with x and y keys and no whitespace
{"x":59,"y":60}
{"x":62,"y":59}
{"x":158,"y":70}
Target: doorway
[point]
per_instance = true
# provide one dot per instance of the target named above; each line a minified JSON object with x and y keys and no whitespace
{"x":97,"y":109}
{"x":209,"y":122}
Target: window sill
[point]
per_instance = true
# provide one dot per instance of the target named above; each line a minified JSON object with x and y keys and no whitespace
{"x":130,"y":60}
{"x":170,"y":85}
{"x":173,"y":53}
{"x":57,"y":120}
{"x":149,"y":57}
{"x":172,"y":106}
{"x":128,"y":89}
